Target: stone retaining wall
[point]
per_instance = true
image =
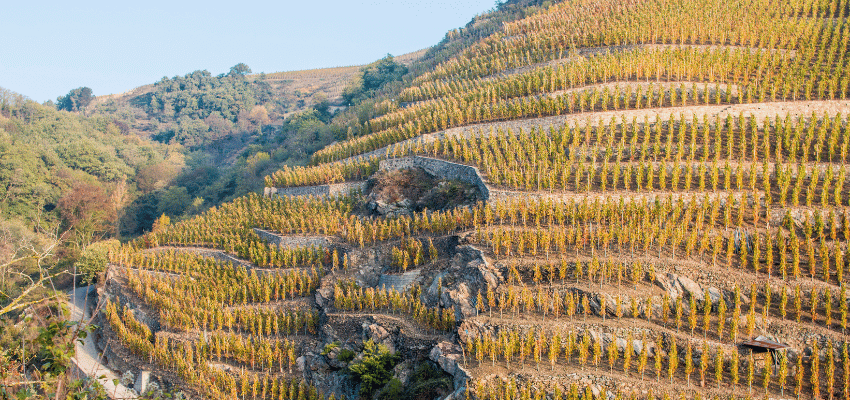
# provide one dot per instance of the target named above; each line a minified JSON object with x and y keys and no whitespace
{"x":439,"y":168}
{"x":292,"y":241}
{"x":334,"y":189}
{"x":399,"y":282}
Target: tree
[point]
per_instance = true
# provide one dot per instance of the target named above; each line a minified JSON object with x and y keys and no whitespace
{"x":374,"y":77}
{"x":93,"y":259}
{"x":86,"y":213}
{"x":240,"y":69}
{"x":374,"y":370}
{"x":174,"y":201}
{"x":76,"y":100}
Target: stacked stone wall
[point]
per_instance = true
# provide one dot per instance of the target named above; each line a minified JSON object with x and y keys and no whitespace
{"x":439,"y":168}
{"x":334,"y":189}
{"x":292,"y":241}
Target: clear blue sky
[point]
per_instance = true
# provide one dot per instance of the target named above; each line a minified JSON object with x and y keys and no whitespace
{"x":51,"y":47}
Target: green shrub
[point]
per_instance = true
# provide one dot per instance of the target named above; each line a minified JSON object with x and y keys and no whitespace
{"x":93,"y":260}
{"x":428,"y":381}
{"x":330,"y":347}
{"x":345,"y":355}
{"x":375,"y":369}
{"x":392,"y":391}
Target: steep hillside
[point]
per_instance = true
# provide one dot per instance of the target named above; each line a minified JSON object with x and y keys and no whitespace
{"x":639,"y":188}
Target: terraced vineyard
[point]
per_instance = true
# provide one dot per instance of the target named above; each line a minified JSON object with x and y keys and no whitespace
{"x":666,"y":180}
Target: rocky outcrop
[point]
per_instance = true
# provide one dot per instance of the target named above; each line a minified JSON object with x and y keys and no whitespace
{"x":449,"y":356}
{"x":112,"y":290}
{"x":397,"y":192}
{"x":443,"y":169}
{"x":369,"y":266}
{"x":457,"y":287}
{"x":676,"y":286}
{"x":378,"y":334}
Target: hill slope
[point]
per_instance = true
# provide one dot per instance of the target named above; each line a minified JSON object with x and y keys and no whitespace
{"x":660,"y":182}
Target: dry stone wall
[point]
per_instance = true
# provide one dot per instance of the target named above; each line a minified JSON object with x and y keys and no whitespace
{"x":292,"y":241}
{"x":334,"y":189}
{"x":436,"y":167}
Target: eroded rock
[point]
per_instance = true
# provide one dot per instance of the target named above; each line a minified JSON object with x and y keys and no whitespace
{"x":457,"y":287}
{"x":449,"y":357}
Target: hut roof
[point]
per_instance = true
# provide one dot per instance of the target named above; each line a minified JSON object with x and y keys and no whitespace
{"x":765,"y":343}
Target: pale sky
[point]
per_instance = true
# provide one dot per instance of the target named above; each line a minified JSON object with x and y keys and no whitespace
{"x":51,"y":47}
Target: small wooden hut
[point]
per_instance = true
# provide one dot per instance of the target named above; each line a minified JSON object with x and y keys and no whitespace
{"x":765,"y":349}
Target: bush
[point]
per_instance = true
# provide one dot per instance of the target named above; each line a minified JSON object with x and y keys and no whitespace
{"x":93,"y":260}
{"x":393,"y":391}
{"x":330,"y":347}
{"x":428,"y":381}
{"x":375,"y":369}
{"x":345,"y":355}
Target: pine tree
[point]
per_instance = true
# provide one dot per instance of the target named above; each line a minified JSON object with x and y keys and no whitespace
{"x":692,"y":315}
{"x":658,"y":357}
{"x":721,"y":317}
{"x":597,"y":352}
{"x":845,"y":363}
{"x":830,"y":369}
{"x":814,"y":304}
{"x":734,"y":368}
{"x":706,"y":313}
{"x":798,"y":377}
{"x":703,"y":364}
{"x":678,"y":313}
{"x":554,"y":349}
{"x":783,"y":302}
{"x":583,"y":350}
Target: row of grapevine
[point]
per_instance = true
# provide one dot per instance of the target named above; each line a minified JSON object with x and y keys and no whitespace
{"x":350,"y":297}
{"x":669,"y":360}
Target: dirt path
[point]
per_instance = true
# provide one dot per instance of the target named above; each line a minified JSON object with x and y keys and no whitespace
{"x":86,"y":357}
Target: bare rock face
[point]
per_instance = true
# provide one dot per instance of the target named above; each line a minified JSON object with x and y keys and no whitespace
{"x":449,"y":357}
{"x":392,"y":209}
{"x":394,"y":193}
{"x":324,"y":297}
{"x":378,"y":334}
{"x":403,"y":370}
{"x":369,"y":267}
{"x":676,"y":286}
{"x":471,"y":329}
{"x":458,"y":286}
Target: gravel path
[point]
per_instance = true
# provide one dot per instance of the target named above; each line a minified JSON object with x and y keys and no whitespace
{"x":86,"y":357}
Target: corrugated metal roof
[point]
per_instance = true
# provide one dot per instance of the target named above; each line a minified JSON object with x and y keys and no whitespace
{"x":765,"y":343}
